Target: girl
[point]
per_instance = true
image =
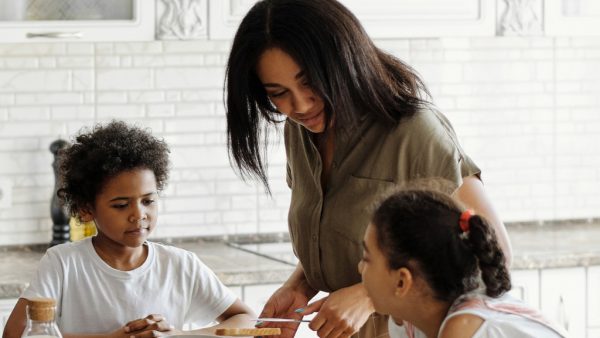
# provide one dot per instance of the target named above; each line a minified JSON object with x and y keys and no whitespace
{"x":423,"y":258}
{"x":356,"y":123}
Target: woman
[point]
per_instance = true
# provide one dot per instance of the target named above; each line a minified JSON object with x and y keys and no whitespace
{"x":355,"y":124}
{"x":432,"y":295}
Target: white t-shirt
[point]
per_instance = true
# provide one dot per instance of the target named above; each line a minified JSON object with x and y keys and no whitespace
{"x":504,"y":317}
{"x":92,"y":297}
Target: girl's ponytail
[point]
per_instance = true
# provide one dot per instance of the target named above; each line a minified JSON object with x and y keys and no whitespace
{"x":492,"y":262}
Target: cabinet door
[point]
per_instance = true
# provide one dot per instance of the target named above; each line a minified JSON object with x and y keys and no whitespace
{"x":572,"y":17}
{"x":526,"y":286}
{"x":594,"y":301}
{"x":76,"y":20}
{"x":384,"y":18}
{"x":563,"y":298}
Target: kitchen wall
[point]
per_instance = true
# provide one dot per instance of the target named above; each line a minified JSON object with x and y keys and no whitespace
{"x":525,"y":109}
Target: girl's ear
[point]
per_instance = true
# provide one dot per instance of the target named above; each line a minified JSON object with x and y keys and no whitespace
{"x":404,"y":281}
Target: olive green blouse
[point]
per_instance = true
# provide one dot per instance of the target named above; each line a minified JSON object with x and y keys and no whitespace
{"x":327,"y":225}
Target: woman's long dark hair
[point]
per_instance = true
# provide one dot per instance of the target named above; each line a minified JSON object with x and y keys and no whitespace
{"x":339,"y":60}
{"x":419,"y":229}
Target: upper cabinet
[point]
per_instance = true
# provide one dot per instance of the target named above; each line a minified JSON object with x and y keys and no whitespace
{"x":76,"y":20}
{"x":572,"y":17}
{"x":384,"y":18}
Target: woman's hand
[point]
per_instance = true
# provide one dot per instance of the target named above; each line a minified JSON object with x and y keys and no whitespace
{"x":153,"y":325}
{"x":283,"y":304}
{"x":342,"y":313}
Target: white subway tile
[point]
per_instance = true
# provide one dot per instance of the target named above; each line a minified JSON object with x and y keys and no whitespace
{"x":20,"y":63}
{"x":208,"y":156}
{"x":109,"y":61}
{"x":30,"y":128}
{"x":32,"y":49}
{"x":196,"y":46}
{"x":146,"y":96}
{"x":82,"y":48}
{"x":132,"y":48}
{"x":203,"y":124}
{"x":31,"y":81}
{"x":124,"y":79}
{"x":72,"y":112}
{"x":185,"y":78}
{"x":18,"y":144}
{"x":48,"y":62}
{"x":75,"y":62}
{"x":202,"y":188}
{"x":31,"y":113}
{"x":160,"y":110}
{"x":49,"y":98}
{"x":119,"y":111}
{"x":185,"y":139}
{"x":111,"y":97}
{"x":82,"y":79}
{"x":195,"y":109}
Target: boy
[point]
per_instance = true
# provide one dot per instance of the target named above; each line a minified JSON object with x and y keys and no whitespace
{"x":112,"y":176}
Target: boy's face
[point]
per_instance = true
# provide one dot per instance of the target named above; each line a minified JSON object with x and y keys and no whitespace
{"x":126,"y":210}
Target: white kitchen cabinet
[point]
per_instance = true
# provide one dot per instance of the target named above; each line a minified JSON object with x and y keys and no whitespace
{"x":563,"y":298}
{"x":76,"y":20}
{"x":6,"y":307}
{"x":384,"y":18}
{"x":572,"y":17}
{"x":526,"y":286}
{"x":593,"y":312}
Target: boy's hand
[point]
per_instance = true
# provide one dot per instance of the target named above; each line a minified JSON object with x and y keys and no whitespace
{"x":154,"y":325}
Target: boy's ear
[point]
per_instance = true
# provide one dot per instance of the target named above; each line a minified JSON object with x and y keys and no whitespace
{"x":404,"y":281}
{"x":85,"y":215}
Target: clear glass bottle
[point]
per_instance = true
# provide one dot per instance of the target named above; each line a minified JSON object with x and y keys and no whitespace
{"x":41,"y":320}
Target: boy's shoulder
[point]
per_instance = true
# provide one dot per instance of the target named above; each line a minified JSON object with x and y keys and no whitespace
{"x":168,"y":252}
{"x":71,"y":248}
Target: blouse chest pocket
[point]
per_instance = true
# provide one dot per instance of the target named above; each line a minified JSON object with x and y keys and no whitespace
{"x":353,"y":205}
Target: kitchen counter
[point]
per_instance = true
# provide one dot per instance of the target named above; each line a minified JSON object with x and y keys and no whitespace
{"x":269,"y":259}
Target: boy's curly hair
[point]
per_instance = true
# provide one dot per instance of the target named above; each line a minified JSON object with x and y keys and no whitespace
{"x":102,"y":153}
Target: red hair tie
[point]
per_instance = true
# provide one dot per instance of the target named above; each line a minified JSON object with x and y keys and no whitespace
{"x":464,"y":220}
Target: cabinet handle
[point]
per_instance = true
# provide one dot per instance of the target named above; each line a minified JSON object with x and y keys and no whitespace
{"x":56,"y":35}
{"x":563,"y":318}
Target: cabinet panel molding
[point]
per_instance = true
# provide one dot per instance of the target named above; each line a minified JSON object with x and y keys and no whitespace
{"x":384,"y":19}
{"x":182,"y":19}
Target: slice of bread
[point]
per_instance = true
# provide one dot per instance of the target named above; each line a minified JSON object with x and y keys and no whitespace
{"x":270,"y":331}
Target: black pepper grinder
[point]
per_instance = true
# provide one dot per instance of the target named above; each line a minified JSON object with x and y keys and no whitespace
{"x":61,"y":231}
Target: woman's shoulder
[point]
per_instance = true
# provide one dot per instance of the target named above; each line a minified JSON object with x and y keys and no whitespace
{"x":428,"y":120}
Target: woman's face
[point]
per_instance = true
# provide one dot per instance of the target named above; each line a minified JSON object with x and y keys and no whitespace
{"x":378,"y":279}
{"x":288,"y":89}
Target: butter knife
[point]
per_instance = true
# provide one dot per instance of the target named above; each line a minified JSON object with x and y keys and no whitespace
{"x":282,"y":320}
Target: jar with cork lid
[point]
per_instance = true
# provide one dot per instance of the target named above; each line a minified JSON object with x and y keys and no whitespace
{"x":41,"y":319}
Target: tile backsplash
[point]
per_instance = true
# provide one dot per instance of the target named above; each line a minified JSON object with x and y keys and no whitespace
{"x":526,"y":109}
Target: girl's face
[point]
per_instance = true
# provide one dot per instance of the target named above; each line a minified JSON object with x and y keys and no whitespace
{"x":288,"y":89}
{"x":379,"y":281}
{"x":125,"y":211}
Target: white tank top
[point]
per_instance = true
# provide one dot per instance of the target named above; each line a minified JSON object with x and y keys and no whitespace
{"x":503,"y":317}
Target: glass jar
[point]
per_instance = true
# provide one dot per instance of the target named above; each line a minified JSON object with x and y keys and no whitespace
{"x":41,"y":319}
